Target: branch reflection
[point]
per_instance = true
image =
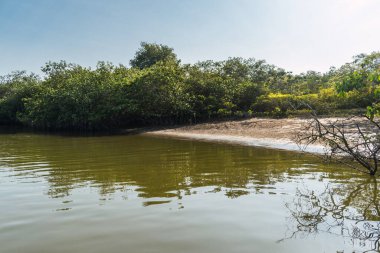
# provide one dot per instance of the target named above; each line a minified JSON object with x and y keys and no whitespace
{"x":347,"y":210}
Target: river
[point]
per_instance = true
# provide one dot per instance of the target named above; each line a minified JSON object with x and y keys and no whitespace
{"x":136,"y":193}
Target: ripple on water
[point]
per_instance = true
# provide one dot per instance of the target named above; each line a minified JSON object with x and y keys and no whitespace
{"x":151,"y":194}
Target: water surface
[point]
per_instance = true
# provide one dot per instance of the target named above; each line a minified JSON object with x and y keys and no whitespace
{"x":154,"y":194}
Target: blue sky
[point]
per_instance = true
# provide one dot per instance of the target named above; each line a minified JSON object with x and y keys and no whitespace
{"x":297,"y":35}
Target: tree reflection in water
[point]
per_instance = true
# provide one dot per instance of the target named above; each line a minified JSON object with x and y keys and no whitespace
{"x":157,"y":171}
{"x":348,"y":210}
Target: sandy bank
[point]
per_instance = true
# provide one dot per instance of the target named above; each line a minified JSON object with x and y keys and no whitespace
{"x":260,"y":132}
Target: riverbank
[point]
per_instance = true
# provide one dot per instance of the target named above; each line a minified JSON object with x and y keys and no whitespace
{"x":260,"y":132}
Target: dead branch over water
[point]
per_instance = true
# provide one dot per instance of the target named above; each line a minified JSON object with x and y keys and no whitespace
{"x":353,"y":141}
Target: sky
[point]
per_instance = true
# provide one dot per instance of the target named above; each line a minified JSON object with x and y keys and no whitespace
{"x":297,"y":35}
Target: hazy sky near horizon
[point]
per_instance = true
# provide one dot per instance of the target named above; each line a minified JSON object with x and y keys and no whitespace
{"x":297,"y":35}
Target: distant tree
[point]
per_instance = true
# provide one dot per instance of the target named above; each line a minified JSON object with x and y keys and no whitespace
{"x":236,"y":68}
{"x":157,"y":89}
{"x":151,"y":53}
{"x":14,"y":88}
{"x":158,"y":94}
{"x":74,"y":97}
{"x":362,"y":73}
{"x":207,"y":88}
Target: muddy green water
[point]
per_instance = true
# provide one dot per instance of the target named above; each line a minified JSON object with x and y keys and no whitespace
{"x":154,"y":194}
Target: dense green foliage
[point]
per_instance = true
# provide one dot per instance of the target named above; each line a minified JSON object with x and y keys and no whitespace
{"x":150,"y":54}
{"x":158,"y":89}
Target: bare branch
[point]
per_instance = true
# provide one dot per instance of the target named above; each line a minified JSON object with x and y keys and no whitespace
{"x":353,"y":141}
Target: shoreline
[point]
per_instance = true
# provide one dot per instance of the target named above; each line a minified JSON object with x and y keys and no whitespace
{"x":241,"y":140}
{"x":255,"y":132}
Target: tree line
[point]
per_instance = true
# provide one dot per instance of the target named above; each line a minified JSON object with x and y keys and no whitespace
{"x":157,"y":89}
